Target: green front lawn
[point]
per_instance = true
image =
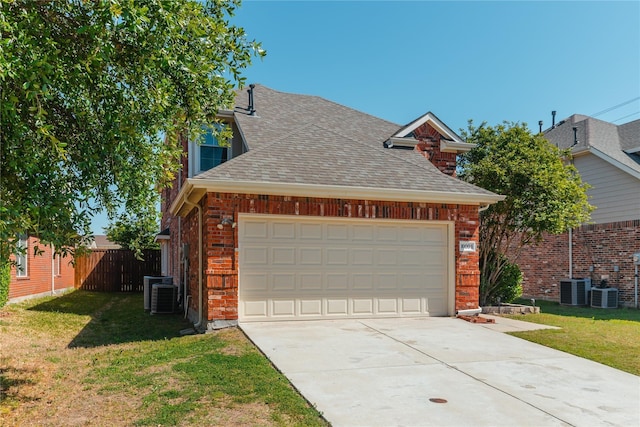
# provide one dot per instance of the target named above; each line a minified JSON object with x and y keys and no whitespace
{"x":608,"y":336}
{"x":87,"y":356}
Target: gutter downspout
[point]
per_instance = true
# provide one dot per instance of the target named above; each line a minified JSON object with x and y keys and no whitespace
{"x":570,"y":253}
{"x":199,"y":208}
{"x":53,"y":277}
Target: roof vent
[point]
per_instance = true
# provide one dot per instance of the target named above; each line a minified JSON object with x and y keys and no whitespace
{"x":553,"y":119}
{"x":575,"y":136}
{"x":540,"y":126}
{"x":251,"y":109}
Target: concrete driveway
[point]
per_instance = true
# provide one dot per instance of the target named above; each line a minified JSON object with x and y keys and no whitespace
{"x":443,"y":372}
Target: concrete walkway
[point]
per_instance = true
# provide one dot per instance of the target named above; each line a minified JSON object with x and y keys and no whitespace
{"x":443,"y":372}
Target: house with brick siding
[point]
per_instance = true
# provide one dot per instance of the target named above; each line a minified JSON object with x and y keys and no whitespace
{"x":607,"y":156}
{"x":313,"y":210}
{"x":38,"y":274}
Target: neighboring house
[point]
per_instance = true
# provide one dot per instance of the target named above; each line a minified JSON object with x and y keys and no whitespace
{"x":314,"y":211}
{"x":607,"y":157}
{"x":102,"y":242}
{"x":35,"y":275}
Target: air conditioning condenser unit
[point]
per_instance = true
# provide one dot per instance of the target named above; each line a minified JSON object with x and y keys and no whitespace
{"x":149,"y":281}
{"x":575,"y":291}
{"x":604,"y":297}
{"x":163,"y":298}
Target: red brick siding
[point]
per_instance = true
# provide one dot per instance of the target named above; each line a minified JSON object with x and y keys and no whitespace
{"x":429,"y":147}
{"x":602,"y":246}
{"x":39,"y":273}
{"x":171,"y":222}
{"x":220,"y":273}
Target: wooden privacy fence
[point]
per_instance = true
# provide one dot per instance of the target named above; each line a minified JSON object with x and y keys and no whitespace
{"x":115,"y":270}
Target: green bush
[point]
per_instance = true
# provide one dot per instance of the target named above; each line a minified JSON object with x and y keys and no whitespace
{"x":5,"y":278}
{"x":507,"y":287}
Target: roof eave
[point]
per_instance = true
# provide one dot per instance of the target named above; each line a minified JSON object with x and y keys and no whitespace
{"x":194,"y":189}
{"x":456,"y":147}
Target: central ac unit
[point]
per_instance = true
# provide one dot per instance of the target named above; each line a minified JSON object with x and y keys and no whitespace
{"x":163,"y":298}
{"x":575,"y":291}
{"x":149,"y":281}
{"x":604,"y":297}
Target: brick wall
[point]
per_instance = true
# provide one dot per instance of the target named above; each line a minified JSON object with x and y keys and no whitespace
{"x":429,"y":147}
{"x":600,"y":246}
{"x":40,"y":279}
{"x":220,"y":273}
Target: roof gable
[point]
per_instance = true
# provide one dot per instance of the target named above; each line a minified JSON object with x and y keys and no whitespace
{"x":435,"y":123}
{"x":450,"y":142}
{"x":612,"y":143}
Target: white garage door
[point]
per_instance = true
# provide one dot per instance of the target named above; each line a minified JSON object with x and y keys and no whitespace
{"x":317,"y":268}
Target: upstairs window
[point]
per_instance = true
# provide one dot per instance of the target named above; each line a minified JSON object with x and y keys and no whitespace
{"x":212,"y":153}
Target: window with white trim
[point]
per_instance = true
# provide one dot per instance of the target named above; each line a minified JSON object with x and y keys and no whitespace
{"x":21,"y":257}
{"x":208,"y":154}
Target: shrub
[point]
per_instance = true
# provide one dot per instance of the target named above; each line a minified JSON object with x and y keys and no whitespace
{"x":507,"y":287}
{"x":5,"y":278}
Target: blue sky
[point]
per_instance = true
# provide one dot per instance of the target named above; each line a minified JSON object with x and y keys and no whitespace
{"x":480,"y":60}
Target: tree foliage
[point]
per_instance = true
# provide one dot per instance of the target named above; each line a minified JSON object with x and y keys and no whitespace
{"x":544,"y":194}
{"x":89,"y":89}
{"x":134,"y":233}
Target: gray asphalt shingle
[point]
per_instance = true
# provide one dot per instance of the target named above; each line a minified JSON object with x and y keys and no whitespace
{"x":605,"y":137}
{"x":309,"y":140}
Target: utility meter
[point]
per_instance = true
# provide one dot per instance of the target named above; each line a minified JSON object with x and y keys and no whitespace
{"x":636,"y":258}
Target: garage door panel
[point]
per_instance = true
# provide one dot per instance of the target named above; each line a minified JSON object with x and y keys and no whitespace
{"x":311,"y":307}
{"x":412,"y":257}
{"x":283,"y":282}
{"x":362,"y":233}
{"x":337,"y":281}
{"x":253,"y":229}
{"x":386,"y":257}
{"x":283,"y":308}
{"x":337,"y":307}
{"x":255,"y":282}
{"x":337,"y":256}
{"x":337,"y":232}
{"x":311,"y":256}
{"x":362,"y":256}
{"x":387,"y":281}
{"x":434,"y":236}
{"x":410,"y":234}
{"x":313,"y":268}
{"x":414,"y":305}
{"x":283,"y":256}
{"x":283,"y":230}
{"x":386,"y":233}
{"x":311,"y":231}
{"x":256,"y":256}
{"x":362,"y":306}
{"x":310,"y":281}
{"x":362,"y":281}
{"x":254,"y":309}
{"x":387,"y":305}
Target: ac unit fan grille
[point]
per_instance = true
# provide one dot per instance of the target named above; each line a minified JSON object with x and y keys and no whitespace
{"x":163,"y":299}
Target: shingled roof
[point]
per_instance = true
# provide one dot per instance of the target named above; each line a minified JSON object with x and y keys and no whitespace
{"x":619,"y":144}
{"x":309,"y":146}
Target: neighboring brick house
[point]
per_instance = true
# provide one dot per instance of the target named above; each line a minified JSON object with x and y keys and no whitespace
{"x":315,"y":211}
{"x":607,"y":157}
{"x":34,"y":275}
